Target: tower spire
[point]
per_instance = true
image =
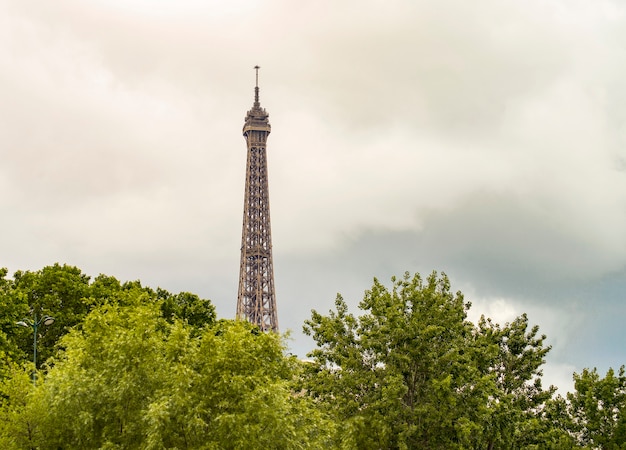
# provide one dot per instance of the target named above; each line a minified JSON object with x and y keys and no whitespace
{"x":256,"y":300}
{"x":256,"y":87}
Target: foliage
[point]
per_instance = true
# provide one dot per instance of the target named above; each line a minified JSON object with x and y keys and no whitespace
{"x":597,"y":409}
{"x":19,"y":418}
{"x":128,"y":378}
{"x":413,"y":372}
{"x":65,"y":293}
{"x":517,"y":400}
{"x":56,"y":291}
{"x":13,"y":306}
{"x":136,"y":368}
{"x":188,"y":307}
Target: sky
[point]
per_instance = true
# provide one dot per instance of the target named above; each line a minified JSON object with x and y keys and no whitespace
{"x":482,"y":139}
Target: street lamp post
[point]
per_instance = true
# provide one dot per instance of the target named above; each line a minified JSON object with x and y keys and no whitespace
{"x":34,"y":324}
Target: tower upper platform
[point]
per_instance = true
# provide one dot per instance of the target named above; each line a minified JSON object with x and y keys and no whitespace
{"x":257,"y":118}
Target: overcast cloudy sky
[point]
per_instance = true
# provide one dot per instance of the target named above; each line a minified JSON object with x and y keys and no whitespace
{"x":484,"y":139}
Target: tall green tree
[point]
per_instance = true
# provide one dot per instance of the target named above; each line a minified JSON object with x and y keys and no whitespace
{"x":515,"y":404}
{"x":413,"y":372}
{"x":597,"y":409}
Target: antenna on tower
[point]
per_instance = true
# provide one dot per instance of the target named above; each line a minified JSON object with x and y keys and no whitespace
{"x":256,"y":88}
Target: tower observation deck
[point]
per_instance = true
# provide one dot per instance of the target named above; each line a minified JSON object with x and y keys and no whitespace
{"x":256,"y":299}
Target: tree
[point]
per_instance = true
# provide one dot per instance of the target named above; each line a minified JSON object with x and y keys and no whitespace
{"x":57,"y":291}
{"x":20,"y":426}
{"x":188,"y":307}
{"x":516,"y":404}
{"x":68,"y":295}
{"x":413,"y":372}
{"x":129,"y":378}
{"x":597,"y":409}
{"x":238,"y":395}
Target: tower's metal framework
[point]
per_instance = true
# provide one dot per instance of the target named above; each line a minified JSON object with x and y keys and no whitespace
{"x":256,"y":299}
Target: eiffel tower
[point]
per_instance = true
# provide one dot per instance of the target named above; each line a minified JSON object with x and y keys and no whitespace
{"x":256,"y":299}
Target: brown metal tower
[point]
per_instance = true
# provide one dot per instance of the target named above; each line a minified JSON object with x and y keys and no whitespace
{"x":256,"y":300}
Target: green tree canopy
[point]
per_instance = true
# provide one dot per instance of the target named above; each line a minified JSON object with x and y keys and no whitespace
{"x":136,"y":368}
{"x":413,"y":372}
{"x":129,"y":378}
{"x":597,"y":409}
{"x":67,"y":294}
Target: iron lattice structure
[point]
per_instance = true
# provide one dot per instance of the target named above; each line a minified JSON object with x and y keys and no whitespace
{"x":256,"y":299}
